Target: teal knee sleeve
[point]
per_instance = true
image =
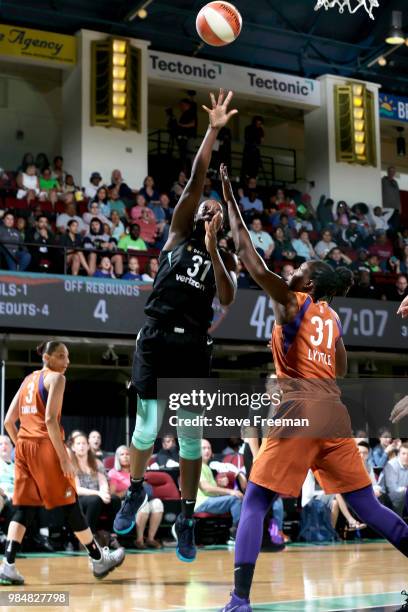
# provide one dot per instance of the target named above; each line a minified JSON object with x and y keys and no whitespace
{"x":190,"y":448}
{"x":189,"y":436}
{"x":148,"y":422}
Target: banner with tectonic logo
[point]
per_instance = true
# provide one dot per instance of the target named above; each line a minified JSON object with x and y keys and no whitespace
{"x":19,"y":42}
{"x":275,"y":86}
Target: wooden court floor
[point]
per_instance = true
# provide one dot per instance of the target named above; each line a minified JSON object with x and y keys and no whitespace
{"x":342,"y":577}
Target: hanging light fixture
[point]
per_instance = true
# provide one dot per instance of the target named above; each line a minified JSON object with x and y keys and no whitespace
{"x":396,"y":35}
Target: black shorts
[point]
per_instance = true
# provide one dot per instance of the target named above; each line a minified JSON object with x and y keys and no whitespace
{"x":171,"y":352}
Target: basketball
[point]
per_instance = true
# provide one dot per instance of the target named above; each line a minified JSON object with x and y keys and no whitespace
{"x":219,"y":23}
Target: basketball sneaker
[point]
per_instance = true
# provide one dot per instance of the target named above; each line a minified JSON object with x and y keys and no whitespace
{"x":183,"y":533}
{"x":125,"y":519}
{"x":9,"y":574}
{"x":404,"y":605}
{"x":109,"y":560}
{"x":237,"y":605}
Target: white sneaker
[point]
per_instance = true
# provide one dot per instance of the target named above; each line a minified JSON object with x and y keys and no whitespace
{"x":10,"y":575}
{"x":108,"y":562}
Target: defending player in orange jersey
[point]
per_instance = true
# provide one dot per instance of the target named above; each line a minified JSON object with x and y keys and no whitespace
{"x":309,"y":353}
{"x":44,"y":474}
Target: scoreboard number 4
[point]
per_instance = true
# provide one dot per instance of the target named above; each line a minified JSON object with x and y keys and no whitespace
{"x":101,"y":311}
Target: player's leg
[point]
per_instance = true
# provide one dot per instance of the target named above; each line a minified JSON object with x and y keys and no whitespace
{"x":22,"y":518}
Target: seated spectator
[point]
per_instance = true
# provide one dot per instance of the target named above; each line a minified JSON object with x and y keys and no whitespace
{"x":152,"y":511}
{"x":261,"y":240}
{"x":399,"y":291}
{"x":104,"y":269}
{"x":49,"y":187}
{"x":93,"y":490}
{"x":95,"y":444}
{"x":132,"y":240}
{"x":351,"y":236}
{"x":361,"y":212}
{"x":336,"y":258}
{"x":41,"y":163}
{"x":118,"y":229}
{"x":72,"y":241}
{"x":208,"y":192}
{"x":95,"y":211}
{"x":178,"y":188}
{"x":58,"y":171}
{"x":287,"y":271}
{"x":285,"y":204}
{"x":385,"y":450}
{"x":303,"y":246}
{"x":325,"y":245}
{"x":363,"y":287}
{"x":69,"y":215}
{"x":101,"y":198}
{"x":28,"y":160}
{"x":165,"y":206}
{"x":251,"y":203}
{"x":233,"y":446}
{"x":69,"y":185}
{"x":151,"y":270}
{"x":361,"y":263}
{"x":133,"y":272}
{"x":95,"y":181}
{"x":116,"y":204}
{"x":404,"y":260}
{"x":287,"y":224}
{"x":364,"y":450}
{"x":21,"y":227}
{"x":212,"y":498}
{"x":42,"y":257}
{"x":283,"y":247}
{"x":324,"y":213}
{"x":382,"y":246}
{"x":148,"y":227}
{"x":394,"y":479}
{"x":14,"y":252}
{"x":148,"y":190}
{"x":381,"y":218}
{"x":168,"y":455}
{"x":96,"y":239}
{"x":28,"y":184}
{"x":342,"y":217}
{"x":141,"y":206}
{"x":373,"y":263}
{"x":244,"y":281}
{"x":125,"y":192}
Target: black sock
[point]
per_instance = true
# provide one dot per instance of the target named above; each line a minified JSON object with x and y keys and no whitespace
{"x":136,"y":484}
{"x":93,"y":550}
{"x":12,"y":548}
{"x":187,"y":508}
{"x":243,"y":576}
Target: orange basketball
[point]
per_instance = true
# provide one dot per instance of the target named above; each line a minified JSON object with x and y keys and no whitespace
{"x":219,"y":23}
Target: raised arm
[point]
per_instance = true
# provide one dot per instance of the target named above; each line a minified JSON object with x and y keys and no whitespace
{"x":184,"y":213}
{"x":270,"y":282}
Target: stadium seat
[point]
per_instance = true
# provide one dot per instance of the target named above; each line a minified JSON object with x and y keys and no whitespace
{"x":236,"y":459}
{"x":163,"y":485}
{"x":12,"y":202}
{"x":109,"y":462}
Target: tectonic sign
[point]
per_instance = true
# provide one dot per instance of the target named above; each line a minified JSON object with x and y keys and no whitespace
{"x":36,"y":45}
{"x":393,"y":107}
{"x":277,"y":87}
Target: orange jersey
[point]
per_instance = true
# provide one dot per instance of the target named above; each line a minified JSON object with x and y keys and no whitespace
{"x":32,"y":404}
{"x":306,"y":347}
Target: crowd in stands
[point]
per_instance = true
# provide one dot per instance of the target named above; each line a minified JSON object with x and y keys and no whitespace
{"x":110,"y":230}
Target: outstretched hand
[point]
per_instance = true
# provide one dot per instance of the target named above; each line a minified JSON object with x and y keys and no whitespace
{"x":226,"y":183}
{"x":219,"y":114}
{"x":403,"y":309}
{"x":400,"y":410}
{"x":211,"y":230}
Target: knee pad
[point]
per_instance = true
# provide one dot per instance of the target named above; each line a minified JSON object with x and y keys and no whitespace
{"x":190,"y":448}
{"x":24,"y":515}
{"x":74,"y":517}
{"x":148,"y":422}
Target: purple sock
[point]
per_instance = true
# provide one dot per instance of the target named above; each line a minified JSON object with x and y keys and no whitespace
{"x":257,"y":501}
{"x":383,"y":520}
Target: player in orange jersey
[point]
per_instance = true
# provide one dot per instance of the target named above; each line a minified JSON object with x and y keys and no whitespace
{"x":309,"y":353}
{"x":44,"y":474}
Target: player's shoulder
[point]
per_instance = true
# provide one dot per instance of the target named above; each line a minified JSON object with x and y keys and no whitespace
{"x":302,"y":298}
{"x":55,"y":378}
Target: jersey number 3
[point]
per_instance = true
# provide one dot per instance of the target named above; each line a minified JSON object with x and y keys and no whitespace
{"x":320,"y":326}
{"x":30,"y":393}
{"x":198,"y":262}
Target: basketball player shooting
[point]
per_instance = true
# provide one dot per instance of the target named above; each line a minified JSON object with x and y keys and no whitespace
{"x":174,"y":342}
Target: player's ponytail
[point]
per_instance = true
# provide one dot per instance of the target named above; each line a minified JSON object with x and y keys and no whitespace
{"x":48,"y":346}
{"x":329,"y":283}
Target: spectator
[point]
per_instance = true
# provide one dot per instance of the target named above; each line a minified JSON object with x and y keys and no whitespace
{"x":336,"y":258}
{"x":352,"y":235}
{"x":361,"y":263}
{"x":41,"y":162}
{"x":72,"y":242}
{"x":381,"y":218}
{"x":148,"y":227}
{"x":97,"y":240}
{"x":133,"y":272}
{"x":49,"y":187}
{"x":399,"y":291}
{"x":101,"y":198}
{"x":165,"y":206}
{"x":373,"y":263}
{"x":364,"y":450}
{"x":254,"y":137}
{"x":324,"y":213}
{"x":28,"y":160}
{"x":342,"y":214}
{"x":261,"y":240}
{"x":28,"y":184}
{"x":95,"y":211}
{"x":58,"y":171}
{"x":69,"y":185}
{"x":325,"y":245}
{"x":168,"y":452}
{"x":93,"y":490}
{"x":148,"y":190}
{"x":404,"y":260}
{"x":132,"y":241}
{"x":283,"y":247}
{"x":95,"y":181}
{"x":21,"y":227}
{"x":116,"y":204}
{"x":390,"y":191}
{"x":394,"y":479}
{"x":105,"y":268}
{"x":303,"y":246}
{"x":244,"y":281}
{"x":137,"y":210}
{"x":285,"y":204}
{"x":212,"y":498}
{"x":178,"y":188}
{"x":15,"y":254}
{"x":69,"y":215}
{"x":152,"y":511}
{"x":363,"y":287}
{"x":287,"y":224}
{"x":382,"y":246}
{"x":251,"y":203}
{"x":42,"y":257}
{"x":151,"y":270}
{"x":124,"y":191}
{"x":287,"y":271}
{"x":208,"y":192}
{"x":385,"y":450}
{"x":95,"y":444}
{"x":118,"y":229}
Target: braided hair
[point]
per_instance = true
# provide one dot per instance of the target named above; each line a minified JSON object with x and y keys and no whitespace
{"x":330,"y":282}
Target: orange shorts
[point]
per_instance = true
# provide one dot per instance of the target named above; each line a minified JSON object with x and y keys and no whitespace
{"x":282,"y":465}
{"x":39,"y":480}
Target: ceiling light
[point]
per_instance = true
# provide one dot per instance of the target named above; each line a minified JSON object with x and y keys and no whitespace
{"x":396,"y":35}
{"x":382,"y":61}
{"x":142,"y":14}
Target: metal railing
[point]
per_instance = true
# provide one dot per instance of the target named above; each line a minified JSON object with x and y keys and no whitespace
{"x":278,"y":164}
